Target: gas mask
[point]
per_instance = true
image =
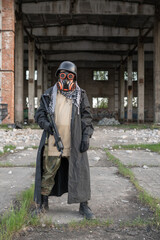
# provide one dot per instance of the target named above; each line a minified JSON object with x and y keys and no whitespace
{"x":66,"y":82}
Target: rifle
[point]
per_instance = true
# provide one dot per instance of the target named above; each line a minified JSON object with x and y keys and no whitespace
{"x":58,"y":142}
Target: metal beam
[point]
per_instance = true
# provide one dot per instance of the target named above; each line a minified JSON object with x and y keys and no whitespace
{"x":84,"y":56}
{"x":89,"y":7}
{"x":85,"y":45}
{"x":94,"y":64}
{"x":86,"y":30}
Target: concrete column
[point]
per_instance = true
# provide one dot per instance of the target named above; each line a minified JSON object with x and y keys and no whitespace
{"x":116,"y":91}
{"x":157,"y":71}
{"x":130,"y":90}
{"x":31,"y":81}
{"x":0,"y":56}
{"x":122,"y":92}
{"x":19,"y":72}
{"x":140,"y":82}
{"x":45,"y":77}
{"x":49,"y":78}
{"x":39,"y":77}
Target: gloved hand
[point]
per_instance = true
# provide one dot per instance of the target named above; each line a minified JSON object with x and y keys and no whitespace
{"x":47,"y":127}
{"x":84,"y":143}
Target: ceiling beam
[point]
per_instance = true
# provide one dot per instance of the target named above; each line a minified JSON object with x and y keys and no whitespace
{"x":85,"y":30}
{"x":85,"y":45}
{"x":88,"y":7}
{"x":83,"y":56}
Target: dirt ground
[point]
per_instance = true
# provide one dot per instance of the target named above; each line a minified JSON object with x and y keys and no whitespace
{"x":116,"y":201}
{"x":108,"y":233}
{"x":120,"y":213}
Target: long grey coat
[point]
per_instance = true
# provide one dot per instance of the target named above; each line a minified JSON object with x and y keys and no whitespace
{"x":75,"y":178}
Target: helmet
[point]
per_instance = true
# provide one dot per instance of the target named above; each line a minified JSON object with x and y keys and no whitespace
{"x":68,"y":66}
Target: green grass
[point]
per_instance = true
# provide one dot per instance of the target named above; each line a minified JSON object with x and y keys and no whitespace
{"x":134,"y":126}
{"x":14,"y":165}
{"x":138,"y":126}
{"x":144,"y":197}
{"x":34,"y":147}
{"x":151,"y":147}
{"x":32,"y":126}
{"x":138,"y":222}
{"x":18,"y":217}
{"x":89,"y":223}
{"x":7,"y":149}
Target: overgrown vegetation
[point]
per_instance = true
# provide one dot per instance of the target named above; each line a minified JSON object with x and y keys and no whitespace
{"x":24,"y":126}
{"x":151,"y":147}
{"x":138,"y":222}
{"x":9,"y":148}
{"x":144,"y":197}
{"x":18,"y":216}
{"x":89,"y":223}
{"x":6,"y":149}
{"x":14,"y":165}
{"x":138,"y":126}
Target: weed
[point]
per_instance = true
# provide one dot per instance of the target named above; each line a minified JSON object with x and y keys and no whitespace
{"x":144,"y":197}
{"x":89,"y":223}
{"x":18,"y":216}
{"x":151,"y":147}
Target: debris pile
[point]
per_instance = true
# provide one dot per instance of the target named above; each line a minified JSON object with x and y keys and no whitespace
{"x":108,"y":122}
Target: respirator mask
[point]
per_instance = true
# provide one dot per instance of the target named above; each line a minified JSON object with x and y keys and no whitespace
{"x":66,"y":82}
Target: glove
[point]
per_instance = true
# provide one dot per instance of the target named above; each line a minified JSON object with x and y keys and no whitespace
{"x":84,"y":143}
{"x":47,"y":127}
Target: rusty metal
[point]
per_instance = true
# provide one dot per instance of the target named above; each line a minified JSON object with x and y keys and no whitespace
{"x":141,"y":80}
{"x":30,"y":80}
{"x":129,"y":88}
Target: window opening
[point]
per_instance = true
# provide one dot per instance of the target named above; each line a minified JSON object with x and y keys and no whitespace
{"x":100,"y":75}
{"x":134,"y":76}
{"x":99,"y":102}
{"x":35,"y":75}
{"x":134,"y":102}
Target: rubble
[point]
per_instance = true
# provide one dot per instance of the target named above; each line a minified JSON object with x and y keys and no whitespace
{"x":108,"y":122}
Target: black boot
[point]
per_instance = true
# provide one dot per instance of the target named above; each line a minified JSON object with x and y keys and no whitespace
{"x":86,"y":211}
{"x":44,"y":202}
{"x":42,"y":207}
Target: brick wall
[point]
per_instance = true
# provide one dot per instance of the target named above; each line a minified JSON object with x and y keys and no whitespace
{"x":8,"y":34}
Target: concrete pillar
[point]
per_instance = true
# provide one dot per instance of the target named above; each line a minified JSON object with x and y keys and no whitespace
{"x":0,"y":56}
{"x":39,"y":77}
{"x":31,"y":81}
{"x":157,"y":71}
{"x":45,"y":77}
{"x":140,"y":82}
{"x":130,"y":90}
{"x":116,"y":91}
{"x":122,"y":92}
{"x":49,"y":78}
{"x":19,"y":72}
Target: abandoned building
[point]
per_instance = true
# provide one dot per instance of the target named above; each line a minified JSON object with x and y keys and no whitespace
{"x":114,"y":43}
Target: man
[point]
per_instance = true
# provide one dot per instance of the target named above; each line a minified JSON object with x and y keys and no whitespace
{"x":56,"y":175}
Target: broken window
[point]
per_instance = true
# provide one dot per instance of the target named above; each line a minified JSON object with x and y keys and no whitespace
{"x":134,"y":102}
{"x":27,"y":75}
{"x":35,"y":102}
{"x":99,"y":102}
{"x":134,"y":76}
{"x":100,"y":75}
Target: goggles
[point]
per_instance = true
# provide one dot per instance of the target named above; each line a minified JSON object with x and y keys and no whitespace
{"x":70,"y":76}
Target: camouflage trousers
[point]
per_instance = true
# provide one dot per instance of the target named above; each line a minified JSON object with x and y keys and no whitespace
{"x":51,"y":165}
